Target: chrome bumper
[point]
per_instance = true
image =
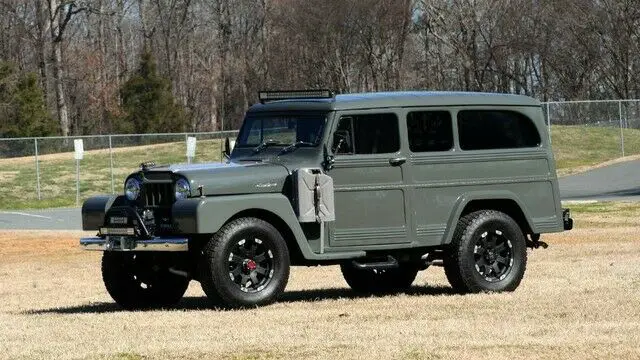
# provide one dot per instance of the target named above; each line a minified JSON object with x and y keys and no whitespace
{"x":126,"y":243}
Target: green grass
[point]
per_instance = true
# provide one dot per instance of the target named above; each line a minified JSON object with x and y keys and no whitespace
{"x":58,"y":173}
{"x":607,"y":214}
{"x":575,"y":148}
{"x":620,"y":208}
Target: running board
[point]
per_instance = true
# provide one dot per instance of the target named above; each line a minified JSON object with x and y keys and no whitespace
{"x":389,"y":263}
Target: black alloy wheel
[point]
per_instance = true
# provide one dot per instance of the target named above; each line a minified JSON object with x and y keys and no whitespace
{"x":244,"y":264}
{"x":379,"y":281}
{"x":493,"y":255}
{"x":142,"y":280}
{"x":250,"y":265}
{"x":488,"y":253}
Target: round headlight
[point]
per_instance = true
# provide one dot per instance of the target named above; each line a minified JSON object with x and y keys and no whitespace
{"x":182,"y":189}
{"x":132,"y":188}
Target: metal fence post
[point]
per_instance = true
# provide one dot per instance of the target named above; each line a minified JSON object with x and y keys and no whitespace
{"x":77,"y":182}
{"x":35,"y":145}
{"x":548,"y":123}
{"x":186,"y":140}
{"x":621,"y":128}
{"x":111,"y":165}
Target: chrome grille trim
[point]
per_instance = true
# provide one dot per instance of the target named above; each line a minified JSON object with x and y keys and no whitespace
{"x":158,"y":194}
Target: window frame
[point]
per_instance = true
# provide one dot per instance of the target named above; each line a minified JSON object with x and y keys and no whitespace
{"x":520,"y":114}
{"x":325,"y":115}
{"x":453,"y":126}
{"x":362,"y":113}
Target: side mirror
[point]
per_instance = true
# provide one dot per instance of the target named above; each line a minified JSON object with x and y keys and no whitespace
{"x":329,"y":159}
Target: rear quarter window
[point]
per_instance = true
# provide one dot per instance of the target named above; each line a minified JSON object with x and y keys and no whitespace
{"x":496,"y":129}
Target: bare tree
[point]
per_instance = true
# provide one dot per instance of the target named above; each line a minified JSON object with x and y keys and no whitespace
{"x":60,"y":14}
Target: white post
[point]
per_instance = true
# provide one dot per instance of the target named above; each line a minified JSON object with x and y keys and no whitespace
{"x":621,"y":127}
{"x":35,"y":144}
{"x":191,"y":148}
{"x":78,"y":148}
{"x":111,"y":165}
{"x":548,"y":123}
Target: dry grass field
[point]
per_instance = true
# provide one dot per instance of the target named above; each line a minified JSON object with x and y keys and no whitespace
{"x":580,"y":299}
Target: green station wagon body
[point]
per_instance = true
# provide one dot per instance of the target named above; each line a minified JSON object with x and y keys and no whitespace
{"x":403,"y":169}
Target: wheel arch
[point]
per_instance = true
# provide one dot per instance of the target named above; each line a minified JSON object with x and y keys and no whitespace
{"x":295,"y":255}
{"x":504,"y":202}
{"x":206,"y":215}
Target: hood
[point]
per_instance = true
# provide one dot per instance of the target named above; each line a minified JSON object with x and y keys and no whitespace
{"x":232,"y":177}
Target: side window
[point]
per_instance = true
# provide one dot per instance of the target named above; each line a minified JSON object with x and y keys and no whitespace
{"x":367,"y":134}
{"x":430,"y":131}
{"x":496,"y":129}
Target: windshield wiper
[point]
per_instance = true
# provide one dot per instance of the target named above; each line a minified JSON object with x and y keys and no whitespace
{"x":265,"y":144}
{"x":294,"y":146}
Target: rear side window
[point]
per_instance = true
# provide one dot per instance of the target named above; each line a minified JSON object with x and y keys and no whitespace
{"x":367,"y":134}
{"x":430,"y":131}
{"x":496,"y":129}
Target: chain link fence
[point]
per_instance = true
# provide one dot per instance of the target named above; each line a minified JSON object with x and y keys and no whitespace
{"x":585,"y":133}
{"x":42,"y":172}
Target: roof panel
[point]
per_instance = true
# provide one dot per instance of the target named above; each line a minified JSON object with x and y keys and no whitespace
{"x":398,"y":99}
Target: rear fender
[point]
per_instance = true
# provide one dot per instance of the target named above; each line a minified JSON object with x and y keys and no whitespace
{"x":466,"y":198}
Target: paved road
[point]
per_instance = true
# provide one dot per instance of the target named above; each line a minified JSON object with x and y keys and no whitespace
{"x":50,"y":219}
{"x":614,"y":182}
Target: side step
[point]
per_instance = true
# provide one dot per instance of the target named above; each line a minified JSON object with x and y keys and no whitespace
{"x":389,"y":263}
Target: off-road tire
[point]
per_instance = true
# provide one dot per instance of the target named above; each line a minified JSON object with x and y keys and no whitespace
{"x":460,"y":259}
{"x":217,"y":267}
{"x":134,"y":282}
{"x":369,"y":281}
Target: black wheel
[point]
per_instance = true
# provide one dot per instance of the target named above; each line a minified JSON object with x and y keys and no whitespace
{"x":245,"y":264}
{"x":488,"y":253}
{"x":373,"y":281}
{"x":142,"y":280}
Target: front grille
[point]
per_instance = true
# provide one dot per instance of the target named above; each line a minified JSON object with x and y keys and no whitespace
{"x":158,"y":194}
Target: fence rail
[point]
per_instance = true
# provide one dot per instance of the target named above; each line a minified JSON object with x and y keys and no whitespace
{"x":41,"y":172}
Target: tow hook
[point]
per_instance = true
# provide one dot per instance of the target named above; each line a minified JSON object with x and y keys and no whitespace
{"x":535,"y":243}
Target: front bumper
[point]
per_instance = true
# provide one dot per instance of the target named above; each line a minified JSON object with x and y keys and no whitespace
{"x":129,"y":243}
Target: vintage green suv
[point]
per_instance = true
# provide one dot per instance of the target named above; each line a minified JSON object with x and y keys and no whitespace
{"x":382,"y":184}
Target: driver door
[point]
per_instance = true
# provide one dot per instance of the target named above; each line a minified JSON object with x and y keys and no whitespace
{"x":368,"y":181}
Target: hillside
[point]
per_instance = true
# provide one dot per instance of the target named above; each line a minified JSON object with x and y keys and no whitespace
{"x":577,"y":148}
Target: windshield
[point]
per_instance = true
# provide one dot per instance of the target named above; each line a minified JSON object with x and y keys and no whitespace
{"x":281,"y":129}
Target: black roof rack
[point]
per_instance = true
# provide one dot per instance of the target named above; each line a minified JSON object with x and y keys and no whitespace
{"x":265,"y":96}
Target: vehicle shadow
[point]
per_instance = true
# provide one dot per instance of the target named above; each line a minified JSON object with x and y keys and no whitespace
{"x":189,"y":303}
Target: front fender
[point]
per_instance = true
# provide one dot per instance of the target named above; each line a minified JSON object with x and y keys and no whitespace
{"x":95,"y":208}
{"x":208,"y":214}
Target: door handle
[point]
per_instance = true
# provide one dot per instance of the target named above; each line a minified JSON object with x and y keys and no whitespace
{"x":397,"y":161}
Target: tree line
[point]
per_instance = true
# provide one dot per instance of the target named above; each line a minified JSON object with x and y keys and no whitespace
{"x":115,"y":66}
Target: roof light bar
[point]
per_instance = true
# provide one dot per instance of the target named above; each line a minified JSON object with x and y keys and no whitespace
{"x":265,"y":96}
